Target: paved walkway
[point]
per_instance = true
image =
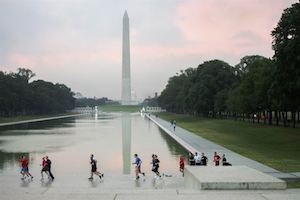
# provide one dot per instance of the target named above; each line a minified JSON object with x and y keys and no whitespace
{"x":40,"y":119}
{"x":125,"y":187}
{"x":195,"y":143}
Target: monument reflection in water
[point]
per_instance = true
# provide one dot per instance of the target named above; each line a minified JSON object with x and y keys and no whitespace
{"x":126,"y":142}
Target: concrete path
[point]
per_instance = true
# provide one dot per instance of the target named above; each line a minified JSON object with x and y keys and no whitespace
{"x":195,"y":143}
{"x":40,"y":119}
{"x":125,"y":187}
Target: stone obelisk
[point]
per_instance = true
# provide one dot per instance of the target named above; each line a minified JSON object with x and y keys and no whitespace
{"x":126,"y":85}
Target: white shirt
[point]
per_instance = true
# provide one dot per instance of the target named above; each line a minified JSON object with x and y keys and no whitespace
{"x":197,"y":159}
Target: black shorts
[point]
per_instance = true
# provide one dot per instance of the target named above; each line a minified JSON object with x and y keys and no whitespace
{"x":155,"y":169}
{"x":94,"y":169}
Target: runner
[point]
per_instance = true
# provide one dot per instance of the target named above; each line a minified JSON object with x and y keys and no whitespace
{"x":93,"y":163}
{"x":48,"y":168}
{"x":24,"y":168}
{"x":181,"y":164}
{"x":44,"y":164}
{"x":155,"y":165}
{"x":137,"y":163}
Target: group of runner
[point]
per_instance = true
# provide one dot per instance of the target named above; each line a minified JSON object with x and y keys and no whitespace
{"x":46,"y":168}
{"x":193,"y":160}
{"x":137,"y":162}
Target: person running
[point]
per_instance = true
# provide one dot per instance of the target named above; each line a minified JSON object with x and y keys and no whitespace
{"x":48,"y":168}
{"x":204,"y":159}
{"x":181,"y":164}
{"x":217,"y":159}
{"x":93,"y":163}
{"x":155,"y":165}
{"x":44,"y":164}
{"x":24,"y":168}
{"x":137,"y":163}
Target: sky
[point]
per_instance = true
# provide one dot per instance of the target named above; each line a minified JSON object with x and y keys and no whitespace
{"x":79,"y":42}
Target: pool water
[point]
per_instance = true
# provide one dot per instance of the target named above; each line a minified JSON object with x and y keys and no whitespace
{"x":112,"y":137}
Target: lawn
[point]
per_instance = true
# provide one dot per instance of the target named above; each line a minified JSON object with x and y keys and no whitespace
{"x":277,"y":147}
{"x":120,"y":108}
{"x":29,"y":117}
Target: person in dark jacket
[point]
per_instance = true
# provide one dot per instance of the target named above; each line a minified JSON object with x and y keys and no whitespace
{"x":47,"y":167}
{"x":224,"y":161}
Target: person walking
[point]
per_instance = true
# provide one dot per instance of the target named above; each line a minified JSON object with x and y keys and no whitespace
{"x":48,"y":168}
{"x":181,"y":164}
{"x":93,"y":163}
{"x":137,"y":163}
{"x":24,"y":168}
{"x":155,"y":165}
{"x":174,"y":125}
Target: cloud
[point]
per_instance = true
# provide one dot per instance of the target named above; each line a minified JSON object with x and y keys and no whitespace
{"x":78,"y":42}
{"x":230,"y":26}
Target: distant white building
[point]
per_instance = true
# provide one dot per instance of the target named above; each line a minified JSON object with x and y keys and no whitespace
{"x":149,"y":109}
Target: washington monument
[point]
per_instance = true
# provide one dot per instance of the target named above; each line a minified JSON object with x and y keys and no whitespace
{"x":126,"y":85}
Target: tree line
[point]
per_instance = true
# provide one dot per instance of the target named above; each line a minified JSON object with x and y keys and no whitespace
{"x":92,"y":102}
{"x":18,"y":96}
{"x":257,"y":88}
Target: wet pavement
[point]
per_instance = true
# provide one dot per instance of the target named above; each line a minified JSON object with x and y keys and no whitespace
{"x":113,"y":140}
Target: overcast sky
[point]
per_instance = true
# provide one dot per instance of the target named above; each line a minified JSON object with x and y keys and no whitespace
{"x":79,"y":42}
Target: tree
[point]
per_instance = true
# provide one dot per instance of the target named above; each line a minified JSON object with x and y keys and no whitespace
{"x":174,"y":96}
{"x":202,"y":90}
{"x":19,"y":97}
{"x":286,"y":44}
{"x":25,"y":74}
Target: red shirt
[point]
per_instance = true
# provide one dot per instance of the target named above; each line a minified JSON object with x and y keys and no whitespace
{"x":181,"y":163}
{"x":44,"y":163}
{"x":24,"y":162}
{"x":217,"y":158}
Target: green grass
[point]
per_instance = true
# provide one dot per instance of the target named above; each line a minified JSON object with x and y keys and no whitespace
{"x":277,"y":147}
{"x":295,"y":184}
{"x":120,"y":108}
{"x":28,"y":117}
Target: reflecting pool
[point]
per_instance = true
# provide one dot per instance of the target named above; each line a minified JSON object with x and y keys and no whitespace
{"x":112,"y":138}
